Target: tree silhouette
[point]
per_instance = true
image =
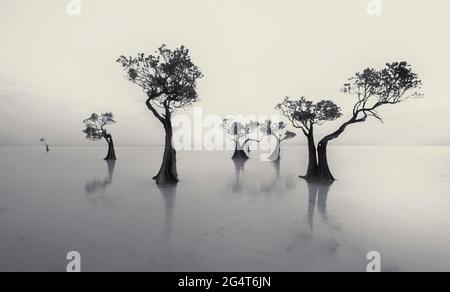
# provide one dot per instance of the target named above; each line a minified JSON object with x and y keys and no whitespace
{"x":305,"y":115}
{"x":96,"y":130}
{"x":240,"y":132}
{"x":373,"y":89}
{"x":44,"y":141}
{"x":279,"y":131}
{"x":169,"y":80}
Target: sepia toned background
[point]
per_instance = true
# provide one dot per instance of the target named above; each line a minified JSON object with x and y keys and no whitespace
{"x":223,"y":215}
{"x":55,"y":69}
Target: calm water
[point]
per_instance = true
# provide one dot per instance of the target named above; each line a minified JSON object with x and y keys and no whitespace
{"x":224,"y":217}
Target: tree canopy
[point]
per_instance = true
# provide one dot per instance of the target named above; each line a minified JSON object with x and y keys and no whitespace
{"x":238,"y":130}
{"x":303,"y":113}
{"x":169,"y":78}
{"x":96,"y":125}
{"x":374,"y":88}
{"x":278,"y":130}
{"x":393,"y":84}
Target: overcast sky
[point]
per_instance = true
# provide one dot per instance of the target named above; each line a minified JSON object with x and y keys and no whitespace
{"x":56,"y":69}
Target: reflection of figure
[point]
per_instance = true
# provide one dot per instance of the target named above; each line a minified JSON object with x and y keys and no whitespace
{"x":169,"y":195}
{"x":278,"y":185}
{"x":277,"y":166}
{"x":239,"y":169}
{"x":269,"y":188}
{"x":322,"y":198}
{"x":318,"y":193}
{"x":97,"y":186}
{"x":325,"y":241}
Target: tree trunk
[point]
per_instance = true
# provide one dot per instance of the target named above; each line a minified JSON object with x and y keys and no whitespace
{"x":111,"y":151}
{"x":312,"y":159}
{"x":276,"y":155}
{"x":168,"y":174}
{"x":324,"y":174}
{"x":312,"y":172}
{"x":239,"y":152}
{"x":324,"y":170}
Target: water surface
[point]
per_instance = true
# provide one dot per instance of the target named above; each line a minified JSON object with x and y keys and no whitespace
{"x":257,"y":216}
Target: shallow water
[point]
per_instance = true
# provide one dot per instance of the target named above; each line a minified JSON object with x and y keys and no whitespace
{"x":224,"y":217}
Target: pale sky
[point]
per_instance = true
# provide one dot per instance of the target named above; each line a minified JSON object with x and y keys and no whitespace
{"x":56,"y":69}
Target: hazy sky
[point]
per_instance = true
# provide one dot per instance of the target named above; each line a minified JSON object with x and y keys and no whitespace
{"x":56,"y":69}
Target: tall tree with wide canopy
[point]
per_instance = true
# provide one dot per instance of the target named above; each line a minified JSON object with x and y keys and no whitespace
{"x":305,"y":115}
{"x":373,"y":89}
{"x":169,"y":80}
{"x":279,"y":131}
{"x":96,"y":129}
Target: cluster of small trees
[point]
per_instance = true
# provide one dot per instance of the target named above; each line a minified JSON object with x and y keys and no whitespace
{"x":169,"y":81}
{"x":372,"y":90}
{"x":240,"y":133}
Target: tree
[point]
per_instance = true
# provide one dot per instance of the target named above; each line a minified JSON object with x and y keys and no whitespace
{"x":240,"y":132}
{"x":279,"y":131}
{"x":305,"y":115}
{"x":44,"y":141}
{"x":169,"y":80}
{"x":96,"y":130}
{"x":373,"y":89}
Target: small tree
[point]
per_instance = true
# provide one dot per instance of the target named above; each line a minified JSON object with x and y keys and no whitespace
{"x":169,"y":80}
{"x":373,"y":89}
{"x":96,"y":130}
{"x":239,"y":133}
{"x":279,"y":131}
{"x":305,"y":115}
{"x":44,"y":141}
